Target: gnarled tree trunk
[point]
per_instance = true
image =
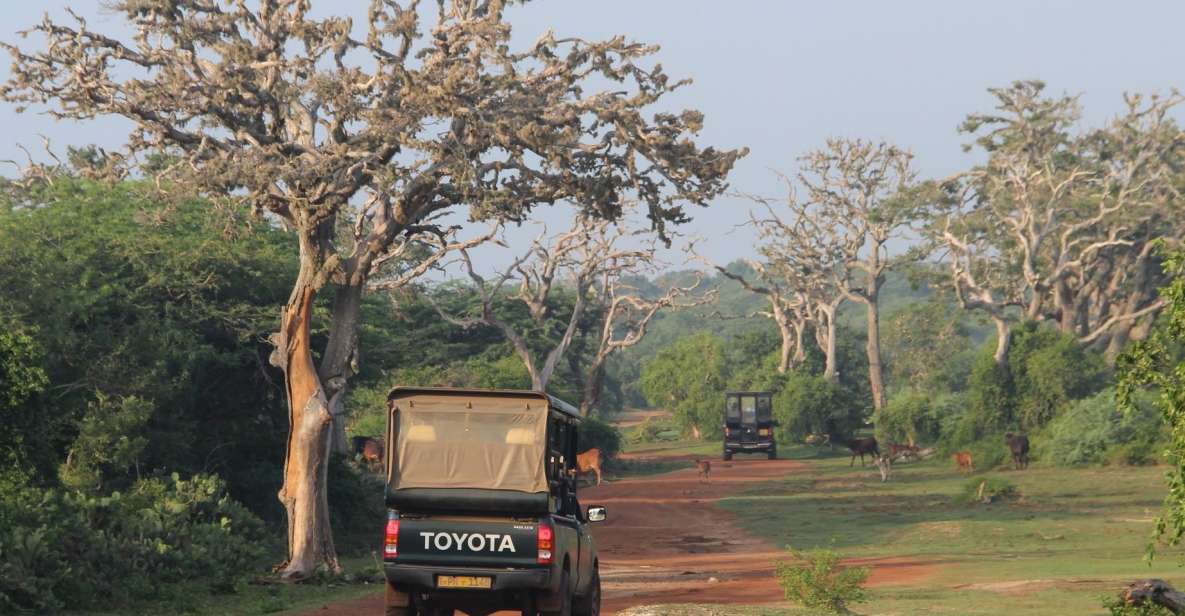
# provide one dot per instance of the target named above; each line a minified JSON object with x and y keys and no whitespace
{"x":593,"y":386}
{"x":304,"y":493}
{"x":876,"y":379}
{"x":1003,"y":341}
{"x":339,"y":363}
{"x":828,"y":343}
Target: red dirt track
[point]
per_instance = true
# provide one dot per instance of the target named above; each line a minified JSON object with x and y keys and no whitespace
{"x":664,"y":543}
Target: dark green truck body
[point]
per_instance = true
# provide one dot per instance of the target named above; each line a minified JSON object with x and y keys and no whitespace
{"x":478,"y":549}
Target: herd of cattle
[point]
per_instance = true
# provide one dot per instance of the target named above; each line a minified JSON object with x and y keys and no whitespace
{"x":369,"y":452}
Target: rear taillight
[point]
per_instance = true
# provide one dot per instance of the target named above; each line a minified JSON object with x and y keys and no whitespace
{"x":545,"y":543}
{"x":391,"y":543}
{"x":727,"y":432}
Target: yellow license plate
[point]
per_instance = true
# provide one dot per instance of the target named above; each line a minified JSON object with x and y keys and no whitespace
{"x":463,"y":581}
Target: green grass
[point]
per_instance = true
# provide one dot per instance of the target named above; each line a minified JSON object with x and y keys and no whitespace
{"x":1082,"y":532}
{"x":267,"y":597}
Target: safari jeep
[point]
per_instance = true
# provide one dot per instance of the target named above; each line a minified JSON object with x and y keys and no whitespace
{"x":749,"y":423}
{"x":482,"y":509}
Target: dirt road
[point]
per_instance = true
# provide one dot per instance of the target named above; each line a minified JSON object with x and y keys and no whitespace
{"x":663,"y":543}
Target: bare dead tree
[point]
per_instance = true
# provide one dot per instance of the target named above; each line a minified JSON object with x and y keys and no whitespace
{"x":979,"y":278}
{"x":626,"y":315}
{"x":1070,"y":218}
{"x":806,"y":264}
{"x":834,"y":243}
{"x":789,"y":308}
{"x":354,"y":141}
{"x":591,"y":251}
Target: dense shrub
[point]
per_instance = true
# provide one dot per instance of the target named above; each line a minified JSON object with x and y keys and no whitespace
{"x":990,"y":452}
{"x":1046,"y":372}
{"x":812,"y":404}
{"x":990,"y":400}
{"x":1094,"y":430}
{"x":599,"y":434}
{"x":909,"y":417}
{"x":688,"y":378}
{"x":1050,"y":370}
{"x":816,"y":581}
{"x":653,"y":430}
{"x":62,"y":549}
{"x":356,"y":505}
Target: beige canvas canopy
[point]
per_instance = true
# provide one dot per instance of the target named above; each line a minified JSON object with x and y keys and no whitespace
{"x":468,"y":439}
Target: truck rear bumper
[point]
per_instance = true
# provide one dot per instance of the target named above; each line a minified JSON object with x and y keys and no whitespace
{"x":749,"y":446}
{"x":423,"y":577}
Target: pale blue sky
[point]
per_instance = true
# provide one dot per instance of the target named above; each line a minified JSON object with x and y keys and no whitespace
{"x":780,"y":77}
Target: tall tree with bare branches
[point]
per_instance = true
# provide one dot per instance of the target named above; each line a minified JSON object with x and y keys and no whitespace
{"x":1059,"y":224}
{"x":353,"y":141}
{"x":789,"y":305}
{"x":626,"y":315}
{"x":859,"y":196}
{"x":589,"y":261}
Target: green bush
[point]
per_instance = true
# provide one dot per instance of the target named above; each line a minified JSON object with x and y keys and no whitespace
{"x":811,"y":404}
{"x":70,"y":550}
{"x":817,"y":581}
{"x":907,"y":418}
{"x":599,"y":434}
{"x":688,"y":378}
{"x":987,"y":490}
{"x":653,"y":430}
{"x":990,"y":404}
{"x":1052,"y":369}
{"x":1118,"y":607}
{"x":1094,"y":430}
{"x":356,"y":505}
{"x":990,"y":452}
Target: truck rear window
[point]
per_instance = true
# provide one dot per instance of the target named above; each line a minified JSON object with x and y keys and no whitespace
{"x":748,"y":409}
{"x":496,"y":444}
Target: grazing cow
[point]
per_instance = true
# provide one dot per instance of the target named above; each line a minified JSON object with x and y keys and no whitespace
{"x":897,"y":450}
{"x":884,"y":464}
{"x":704,"y":467}
{"x":963,"y":459}
{"x":1019,"y":445}
{"x":590,"y":461}
{"x":368,"y":450}
{"x":861,"y":446}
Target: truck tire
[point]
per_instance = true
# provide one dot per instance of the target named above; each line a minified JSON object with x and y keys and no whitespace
{"x":590,"y":605}
{"x":772,"y":454}
{"x":727,"y":455}
{"x":565,"y":590}
{"x":397,"y":603}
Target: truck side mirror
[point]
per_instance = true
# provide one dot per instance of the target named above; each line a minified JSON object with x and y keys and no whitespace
{"x":597,"y":514}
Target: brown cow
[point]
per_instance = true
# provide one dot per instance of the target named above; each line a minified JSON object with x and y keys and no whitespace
{"x":590,"y":461}
{"x":861,"y":446}
{"x":705,"y":469}
{"x":963,"y":459}
{"x":368,"y":450}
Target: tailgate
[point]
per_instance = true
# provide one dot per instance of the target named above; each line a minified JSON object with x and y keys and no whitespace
{"x":476,"y":542}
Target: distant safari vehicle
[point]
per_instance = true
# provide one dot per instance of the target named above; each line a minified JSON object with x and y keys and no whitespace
{"x":482,"y":509}
{"x":749,"y":423}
